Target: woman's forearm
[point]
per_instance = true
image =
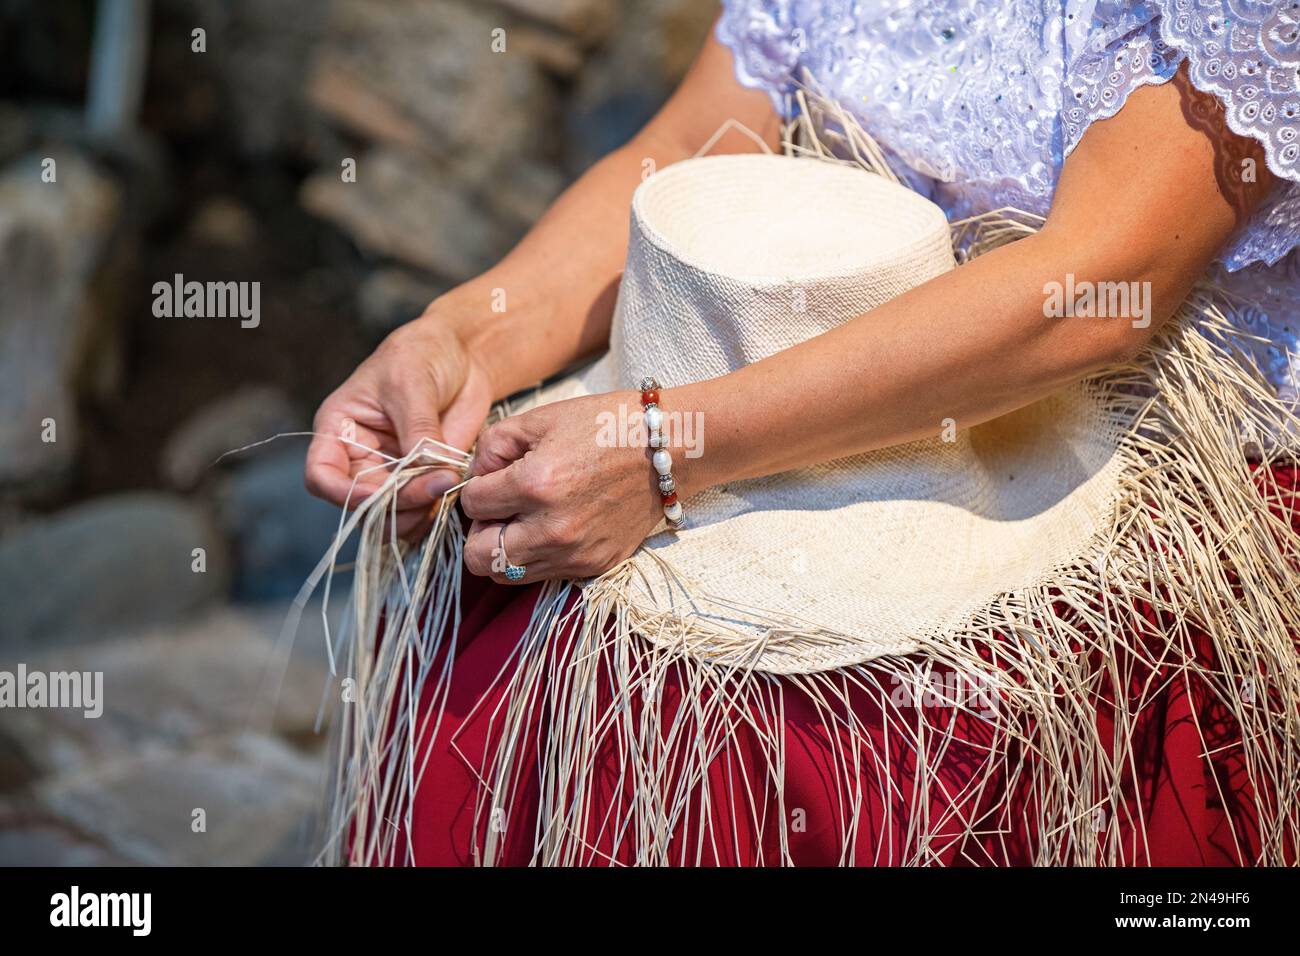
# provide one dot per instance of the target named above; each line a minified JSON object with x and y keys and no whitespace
{"x":1138,"y":201}
{"x":959,"y":350}
{"x":549,"y":302}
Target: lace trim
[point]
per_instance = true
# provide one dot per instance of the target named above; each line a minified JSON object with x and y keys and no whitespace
{"x":1253,"y":67}
{"x":977,"y":141}
{"x":765,"y":45}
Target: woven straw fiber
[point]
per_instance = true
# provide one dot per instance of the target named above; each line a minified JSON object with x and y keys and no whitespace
{"x":734,"y":258}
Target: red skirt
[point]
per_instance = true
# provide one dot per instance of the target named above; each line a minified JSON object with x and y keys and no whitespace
{"x":1189,"y":799}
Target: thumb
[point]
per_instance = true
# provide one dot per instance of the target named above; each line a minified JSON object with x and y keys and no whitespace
{"x":414,"y":423}
{"x":500,"y":445}
{"x":415,"y":418}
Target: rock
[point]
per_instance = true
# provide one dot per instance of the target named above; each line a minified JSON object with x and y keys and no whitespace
{"x":591,"y":20}
{"x":280,"y":532}
{"x":52,"y":844}
{"x":258,"y":52}
{"x":390,"y":297}
{"x":670,"y":34}
{"x":11,"y":515}
{"x":554,"y":52}
{"x":335,"y":91}
{"x":251,"y":414}
{"x":15,"y":131}
{"x":452,"y":179}
{"x":225,"y":222}
{"x":255,"y":792}
{"x":522,"y":193}
{"x":311,"y":635}
{"x":52,"y":239}
{"x":118,"y":561}
{"x":297,"y":847}
{"x":404,"y":206}
{"x":29,"y":837}
{"x":431,"y":63}
{"x":17,"y":769}
{"x":625,"y":84}
{"x":171,"y":689}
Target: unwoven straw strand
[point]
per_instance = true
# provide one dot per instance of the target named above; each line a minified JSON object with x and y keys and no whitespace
{"x":1199,"y":535}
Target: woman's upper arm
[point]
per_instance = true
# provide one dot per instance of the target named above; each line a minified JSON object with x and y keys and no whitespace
{"x":1157,"y":190}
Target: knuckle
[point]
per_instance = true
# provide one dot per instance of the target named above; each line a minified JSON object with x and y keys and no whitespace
{"x":487,"y":450}
{"x":490,"y":441}
{"x":422,"y":421}
{"x":476,"y":563}
{"x":541,"y":481}
{"x":397,"y":339}
{"x":565,"y":532}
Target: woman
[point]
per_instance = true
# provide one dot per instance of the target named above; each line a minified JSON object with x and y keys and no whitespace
{"x":1158,"y":138}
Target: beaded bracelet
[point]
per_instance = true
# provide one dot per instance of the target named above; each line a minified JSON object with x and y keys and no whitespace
{"x":663,"y":461}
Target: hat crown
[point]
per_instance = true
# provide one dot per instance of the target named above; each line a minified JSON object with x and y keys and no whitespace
{"x":734,"y":258}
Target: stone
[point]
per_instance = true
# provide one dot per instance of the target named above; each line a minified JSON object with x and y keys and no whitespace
{"x":52,"y":845}
{"x":623,"y":86}
{"x":432,"y":63}
{"x":279,"y":531}
{"x":172,"y":688}
{"x":335,"y":91}
{"x":223,"y":221}
{"x":29,"y":837}
{"x":254,"y":792}
{"x":312,"y":631}
{"x":52,"y":241}
{"x":523,"y":192}
{"x":389,"y":297}
{"x":250,"y":414}
{"x":122,"y":560}
{"x":17,"y":769}
{"x":591,"y":20}
{"x":258,"y":55}
{"x":15,"y":130}
{"x":553,"y":52}
{"x":404,"y":206}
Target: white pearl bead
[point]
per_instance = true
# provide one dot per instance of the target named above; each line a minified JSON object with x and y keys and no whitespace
{"x":654,"y":419}
{"x":663,"y":462}
{"x":673,"y":512}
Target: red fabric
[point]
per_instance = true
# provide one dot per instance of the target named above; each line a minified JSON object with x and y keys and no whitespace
{"x":1182,"y":809}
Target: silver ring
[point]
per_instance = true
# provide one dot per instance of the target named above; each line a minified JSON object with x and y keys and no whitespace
{"x":513,"y":572}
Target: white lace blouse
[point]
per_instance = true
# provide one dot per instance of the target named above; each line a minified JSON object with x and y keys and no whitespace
{"x":978,"y":103}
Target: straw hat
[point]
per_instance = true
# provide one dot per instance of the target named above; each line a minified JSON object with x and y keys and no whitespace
{"x":734,"y":258}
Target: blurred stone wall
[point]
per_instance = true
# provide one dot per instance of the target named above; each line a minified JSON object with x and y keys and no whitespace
{"x":461,"y":135}
{"x":111,"y":418}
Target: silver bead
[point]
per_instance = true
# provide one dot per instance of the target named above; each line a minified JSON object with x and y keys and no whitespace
{"x":666,"y":484}
{"x":649,"y":384}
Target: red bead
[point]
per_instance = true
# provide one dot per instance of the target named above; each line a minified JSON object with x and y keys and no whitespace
{"x":650,"y":397}
{"x":669,"y":498}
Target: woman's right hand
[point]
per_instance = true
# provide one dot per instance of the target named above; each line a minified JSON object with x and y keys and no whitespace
{"x":422,"y":382}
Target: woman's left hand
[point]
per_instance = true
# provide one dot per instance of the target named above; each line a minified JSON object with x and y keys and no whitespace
{"x":576,"y":502}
